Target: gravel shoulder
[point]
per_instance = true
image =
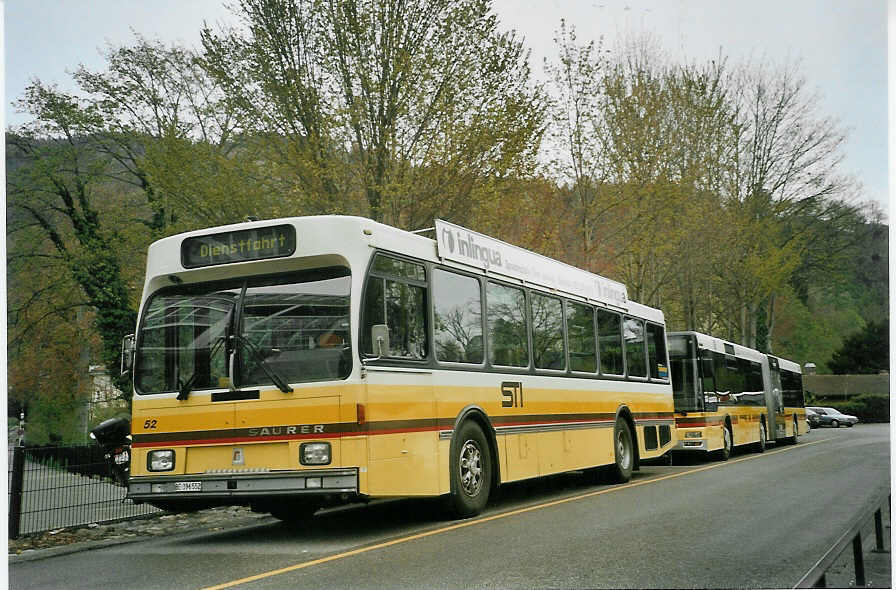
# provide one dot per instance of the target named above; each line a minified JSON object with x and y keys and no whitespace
{"x":95,"y":535}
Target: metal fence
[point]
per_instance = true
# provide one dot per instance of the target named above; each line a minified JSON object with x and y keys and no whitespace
{"x":817,"y":576}
{"x":56,"y":487}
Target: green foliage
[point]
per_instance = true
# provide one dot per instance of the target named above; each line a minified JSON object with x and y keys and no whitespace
{"x":53,"y":191}
{"x":865,"y":352}
{"x":811,"y":330}
{"x":395,"y":110}
{"x":55,"y":420}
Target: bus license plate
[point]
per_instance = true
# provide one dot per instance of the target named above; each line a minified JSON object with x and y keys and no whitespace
{"x":188,"y":486}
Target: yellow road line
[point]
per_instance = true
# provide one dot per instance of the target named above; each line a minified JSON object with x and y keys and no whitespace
{"x":469,"y":523}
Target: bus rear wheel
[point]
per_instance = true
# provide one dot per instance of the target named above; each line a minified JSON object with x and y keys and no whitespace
{"x":760,"y":446}
{"x":624,"y":452}
{"x":471,"y":472}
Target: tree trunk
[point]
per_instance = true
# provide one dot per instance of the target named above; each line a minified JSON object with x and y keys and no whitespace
{"x":770,"y":323}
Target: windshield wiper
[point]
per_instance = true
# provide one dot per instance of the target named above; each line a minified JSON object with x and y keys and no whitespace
{"x":259,"y":358}
{"x":185,"y":387}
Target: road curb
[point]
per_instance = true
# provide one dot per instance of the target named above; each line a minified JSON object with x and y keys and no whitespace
{"x":91,"y":544}
{"x":36,"y":554}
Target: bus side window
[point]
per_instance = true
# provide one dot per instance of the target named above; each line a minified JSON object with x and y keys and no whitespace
{"x":396,"y":297}
{"x":609,"y":332}
{"x":708,"y":381}
{"x":457,"y":317}
{"x":508,"y":333}
{"x":635,"y":349}
{"x":726,"y":378}
{"x":548,"y":349}
{"x":582,"y":349}
{"x":656,"y":352}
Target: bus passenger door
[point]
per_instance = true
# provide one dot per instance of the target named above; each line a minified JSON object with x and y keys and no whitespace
{"x":401,"y":426}
{"x":775,"y":400}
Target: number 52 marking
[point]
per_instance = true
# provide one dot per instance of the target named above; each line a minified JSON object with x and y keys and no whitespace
{"x":512,"y":393}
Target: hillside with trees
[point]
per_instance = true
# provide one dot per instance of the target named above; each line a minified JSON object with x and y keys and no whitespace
{"x":712,"y":190}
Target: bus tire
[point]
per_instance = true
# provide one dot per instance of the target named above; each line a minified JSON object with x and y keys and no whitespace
{"x":728,"y":442}
{"x":471,"y":471}
{"x":623,"y":451}
{"x":760,"y":446}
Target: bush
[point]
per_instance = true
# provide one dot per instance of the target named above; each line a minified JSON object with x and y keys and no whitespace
{"x":867,"y":408}
{"x":55,"y":421}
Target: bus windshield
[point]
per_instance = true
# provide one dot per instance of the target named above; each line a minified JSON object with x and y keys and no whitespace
{"x":683,"y":358}
{"x":295,"y":326}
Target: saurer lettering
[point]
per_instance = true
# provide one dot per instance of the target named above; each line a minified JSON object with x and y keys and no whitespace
{"x":294,"y":429}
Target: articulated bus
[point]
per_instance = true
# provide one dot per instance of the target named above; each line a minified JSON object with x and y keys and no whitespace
{"x":728,"y":395}
{"x":295,"y":363}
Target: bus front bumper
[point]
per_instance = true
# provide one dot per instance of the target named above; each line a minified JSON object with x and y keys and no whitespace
{"x":223,"y":485}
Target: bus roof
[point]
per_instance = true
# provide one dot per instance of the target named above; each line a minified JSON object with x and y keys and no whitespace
{"x":718,"y":344}
{"x":204,"y":254}
{"x":789,"y":365}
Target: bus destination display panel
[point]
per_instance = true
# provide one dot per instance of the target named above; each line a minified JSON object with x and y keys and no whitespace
{"x":260,"y":243}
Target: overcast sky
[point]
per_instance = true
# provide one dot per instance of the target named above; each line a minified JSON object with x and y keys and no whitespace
{"x":841,"y":44}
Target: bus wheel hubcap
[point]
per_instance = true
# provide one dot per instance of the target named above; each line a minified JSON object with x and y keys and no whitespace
{"x":471,"y":468}
{"x":624,"y":457}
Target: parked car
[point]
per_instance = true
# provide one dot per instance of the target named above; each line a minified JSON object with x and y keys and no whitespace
{"x":812,"y":418}
{"x":831,"y":417}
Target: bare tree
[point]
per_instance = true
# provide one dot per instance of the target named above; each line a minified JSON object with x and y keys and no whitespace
{"x":407,"y":107}
{"x":788,"y":161}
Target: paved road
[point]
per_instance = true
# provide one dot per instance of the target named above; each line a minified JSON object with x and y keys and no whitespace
{"x":751,"y":522}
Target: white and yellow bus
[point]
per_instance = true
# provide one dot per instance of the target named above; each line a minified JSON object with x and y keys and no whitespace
{"x":292,"y":363}
{"x":728,"y":395}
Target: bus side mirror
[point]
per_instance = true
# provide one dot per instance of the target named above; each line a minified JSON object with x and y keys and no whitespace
{"x":127,"y":354}
{"x":379,"y":335}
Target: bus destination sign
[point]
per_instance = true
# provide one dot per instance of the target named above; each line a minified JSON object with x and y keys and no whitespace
{"x":244,"y":245}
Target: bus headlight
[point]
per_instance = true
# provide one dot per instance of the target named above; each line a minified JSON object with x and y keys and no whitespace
{"x":693,"y":435}
{"x":160,"y":460}
{"x":314,"y":453}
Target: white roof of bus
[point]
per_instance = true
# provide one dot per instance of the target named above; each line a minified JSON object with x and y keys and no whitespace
{"x":324,"y":235}
{"x":789,"y":365}
{"x":718,"y":344}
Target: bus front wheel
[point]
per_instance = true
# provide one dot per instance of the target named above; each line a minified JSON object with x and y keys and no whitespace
{"x":624,"y":452}
{"x":725,"y":452}
{"x":471,"y":472}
